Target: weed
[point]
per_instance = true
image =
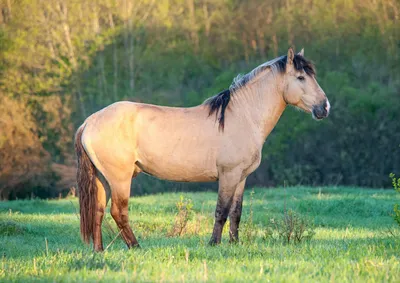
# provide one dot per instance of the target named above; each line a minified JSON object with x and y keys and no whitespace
{"x":396,"y":187}
{"x":200,"y":219}
{"x":72,"y":193}
{"x":10,"y":228}
{"x":291,"y":228}
{"x":185,"y":211}
{"x":248,"y":228}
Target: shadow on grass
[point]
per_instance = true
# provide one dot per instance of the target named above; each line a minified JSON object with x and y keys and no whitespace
{"x":81,"y":256}
{"x":23,"y":229}
{"x":71,"y":206}
{"x":38,"y":206}
{"x":181,"y":250}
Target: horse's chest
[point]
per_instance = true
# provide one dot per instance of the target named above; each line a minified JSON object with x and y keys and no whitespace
{"x":243,"y":158}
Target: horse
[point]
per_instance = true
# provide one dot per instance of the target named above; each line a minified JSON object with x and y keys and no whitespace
{"x":218,"y":140}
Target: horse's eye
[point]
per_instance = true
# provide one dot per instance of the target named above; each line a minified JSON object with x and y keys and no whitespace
{"x":301,"y":78}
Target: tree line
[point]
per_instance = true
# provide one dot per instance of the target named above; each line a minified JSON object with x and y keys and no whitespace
{"x":62,"y":60}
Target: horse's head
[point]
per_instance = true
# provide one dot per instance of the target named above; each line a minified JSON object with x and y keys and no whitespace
{"x":301,"y":89}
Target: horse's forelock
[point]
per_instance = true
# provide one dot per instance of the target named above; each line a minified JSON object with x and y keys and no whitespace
{"x":302,"y":64}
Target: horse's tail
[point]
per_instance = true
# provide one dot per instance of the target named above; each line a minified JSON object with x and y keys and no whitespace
{"x":86,"y":178}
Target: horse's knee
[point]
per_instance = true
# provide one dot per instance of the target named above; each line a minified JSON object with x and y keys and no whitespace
{"x":120,"y":215}
{"x":124,"y":218}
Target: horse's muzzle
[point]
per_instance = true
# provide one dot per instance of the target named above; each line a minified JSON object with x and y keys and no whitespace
{"x":322,"y":110}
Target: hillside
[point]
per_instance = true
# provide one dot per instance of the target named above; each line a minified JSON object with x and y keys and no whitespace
{"x":62,"y":60}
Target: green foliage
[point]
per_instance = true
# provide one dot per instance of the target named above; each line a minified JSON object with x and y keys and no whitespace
{"x":395,"y":182}
{"x":292,"y":228}
{"x":248,"y":230}
{"x":347,"y":246}
{"x":10,"y":228}
{"x":63,"y":66}
{"x":396,"y":208}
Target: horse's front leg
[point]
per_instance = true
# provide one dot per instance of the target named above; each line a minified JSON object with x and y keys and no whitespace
{"x":228,"y":182}
{"x":236,"y":212}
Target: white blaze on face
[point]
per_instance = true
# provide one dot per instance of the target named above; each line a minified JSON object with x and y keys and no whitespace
{"x":328,"y":106}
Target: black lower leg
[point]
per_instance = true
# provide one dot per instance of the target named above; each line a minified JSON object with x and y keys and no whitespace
{"x":234,"y":218}
{"x":221,"y":214}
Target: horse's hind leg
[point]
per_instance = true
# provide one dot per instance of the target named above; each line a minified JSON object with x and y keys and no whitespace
{"x":120,"y":192}
{"x":100,"y":207}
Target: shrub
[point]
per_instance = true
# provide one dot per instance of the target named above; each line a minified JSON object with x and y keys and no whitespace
{"x":185,"y":212}
{"x":248,"y":228}
{"x":24,"y":163}
{"x":291,"y":228}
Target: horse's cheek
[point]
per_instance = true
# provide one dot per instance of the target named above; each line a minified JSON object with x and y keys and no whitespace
{"x":292,"y":94}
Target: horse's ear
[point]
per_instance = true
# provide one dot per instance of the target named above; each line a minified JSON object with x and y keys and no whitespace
{"x":289,"y":60}
{"x":301,"y":53}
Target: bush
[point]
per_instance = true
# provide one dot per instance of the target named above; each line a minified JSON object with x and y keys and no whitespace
{"x":24,"y":163}
{"x":184,"y":214}
{"x":248,"y":229}
{"x":291,"y":228}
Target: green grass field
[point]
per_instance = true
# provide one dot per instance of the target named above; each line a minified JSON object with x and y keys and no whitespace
{"x":356,"y":240}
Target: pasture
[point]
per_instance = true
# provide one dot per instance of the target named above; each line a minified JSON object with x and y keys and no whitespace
{"x":355,"y":240}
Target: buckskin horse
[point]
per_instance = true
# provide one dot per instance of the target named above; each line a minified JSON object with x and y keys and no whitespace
{"x":219,"y":140}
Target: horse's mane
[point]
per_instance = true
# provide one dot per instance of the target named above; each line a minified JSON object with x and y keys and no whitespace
{"x":219,"y":102}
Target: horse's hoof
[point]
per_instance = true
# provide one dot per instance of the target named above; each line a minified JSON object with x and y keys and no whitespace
{"x":213,"y":242}
{"x":134,"y":246}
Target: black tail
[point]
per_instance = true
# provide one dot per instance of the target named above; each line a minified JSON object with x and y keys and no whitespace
{"x":86,"y":178}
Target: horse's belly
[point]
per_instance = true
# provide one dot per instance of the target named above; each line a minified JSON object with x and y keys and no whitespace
{"x":185,"y":163}
{"x":179,"y":170}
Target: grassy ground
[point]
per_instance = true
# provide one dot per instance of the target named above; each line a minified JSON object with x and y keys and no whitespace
{"x":39,"y":240}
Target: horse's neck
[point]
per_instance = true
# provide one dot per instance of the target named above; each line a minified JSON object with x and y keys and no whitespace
{"x":261,"y":103}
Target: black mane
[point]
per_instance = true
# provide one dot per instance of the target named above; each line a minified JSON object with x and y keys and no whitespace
{"x":219,"y":102}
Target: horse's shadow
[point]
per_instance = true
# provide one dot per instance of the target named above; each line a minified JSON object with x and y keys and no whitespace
{"x":60,"y":240}
{"x":197,"y":249}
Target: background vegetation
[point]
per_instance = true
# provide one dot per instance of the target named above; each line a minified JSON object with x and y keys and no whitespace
{"x":62,"y":60}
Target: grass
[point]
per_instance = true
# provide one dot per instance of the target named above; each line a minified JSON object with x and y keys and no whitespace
{"x":39,"y":240}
